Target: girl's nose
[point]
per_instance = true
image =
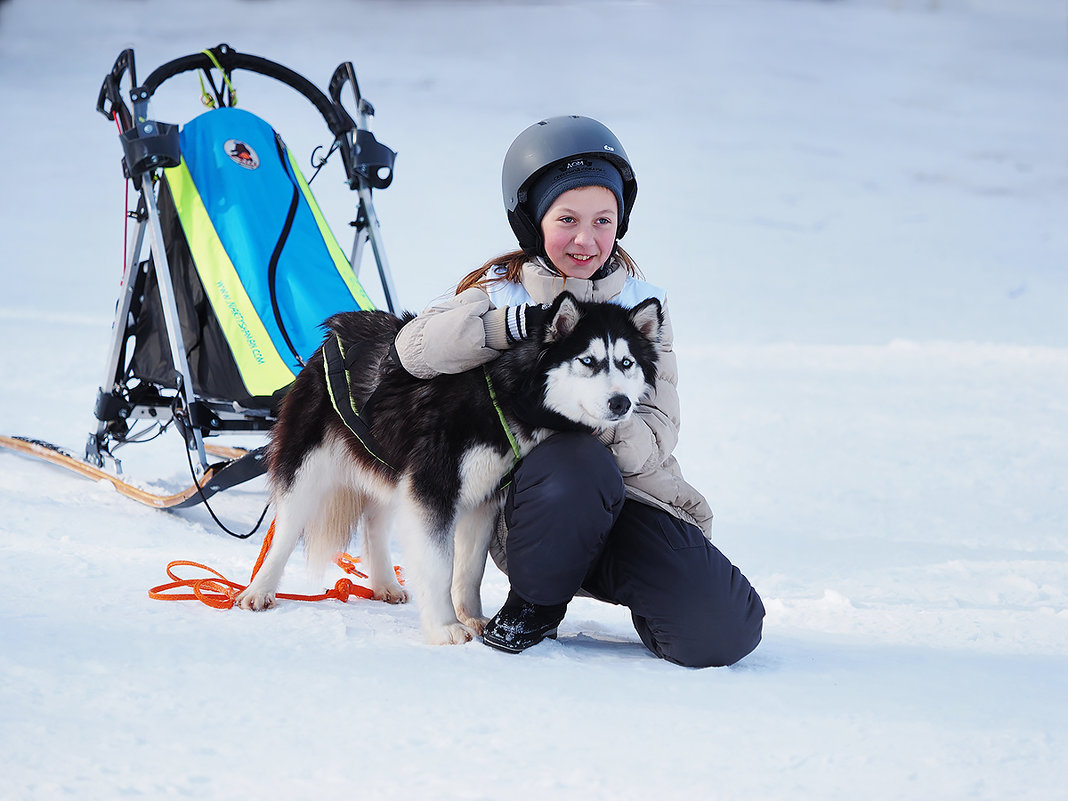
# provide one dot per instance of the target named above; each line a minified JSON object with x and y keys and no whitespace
{"x":584,"y":235}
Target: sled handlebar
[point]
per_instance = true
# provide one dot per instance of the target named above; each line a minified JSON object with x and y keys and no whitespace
{"x":345,"y":74}
{"x":367,"y":162}
{"x":337,"y":119}
{"x":110,"y":93}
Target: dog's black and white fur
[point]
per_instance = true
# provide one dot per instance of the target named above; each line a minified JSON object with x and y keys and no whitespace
{"x":585,"y":367}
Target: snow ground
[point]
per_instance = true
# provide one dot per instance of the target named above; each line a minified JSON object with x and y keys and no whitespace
{"x":859,"y":210}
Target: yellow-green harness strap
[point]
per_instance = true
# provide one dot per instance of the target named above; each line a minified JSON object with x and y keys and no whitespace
{"x":516,"y":454}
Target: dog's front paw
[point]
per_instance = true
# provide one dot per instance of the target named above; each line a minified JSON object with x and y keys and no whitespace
{"x":392,"y":593}
{"x":476,"y":624}
{"x":252,"y":598}
{"x":450,"y":634}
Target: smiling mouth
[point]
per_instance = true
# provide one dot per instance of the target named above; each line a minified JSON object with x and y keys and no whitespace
{"x":580,"y":256}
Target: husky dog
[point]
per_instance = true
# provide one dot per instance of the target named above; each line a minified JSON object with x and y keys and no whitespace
{"x":428,"y":458}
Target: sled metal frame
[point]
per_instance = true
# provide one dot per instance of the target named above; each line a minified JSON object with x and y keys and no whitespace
{"x":149,"y":147}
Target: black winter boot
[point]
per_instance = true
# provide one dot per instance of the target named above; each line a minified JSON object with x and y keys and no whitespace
{"x":521,"y":624}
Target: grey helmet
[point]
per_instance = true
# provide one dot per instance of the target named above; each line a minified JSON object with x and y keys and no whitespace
{"x":546,"y":143}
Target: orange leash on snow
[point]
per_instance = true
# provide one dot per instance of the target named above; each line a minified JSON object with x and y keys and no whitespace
{"x":219,"y":592}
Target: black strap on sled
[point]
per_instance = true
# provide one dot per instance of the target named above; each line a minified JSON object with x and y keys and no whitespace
{"x":337,"y":387}
{"x":272,"y":267}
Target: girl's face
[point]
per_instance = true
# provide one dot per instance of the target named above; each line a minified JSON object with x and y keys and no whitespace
{"x":580,"y":230}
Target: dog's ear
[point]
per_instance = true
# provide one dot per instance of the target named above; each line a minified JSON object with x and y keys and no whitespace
{"x":564,"y":316}
{"x":648,"y":318}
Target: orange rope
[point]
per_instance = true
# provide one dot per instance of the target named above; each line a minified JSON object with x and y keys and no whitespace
{"x":219,"y":592}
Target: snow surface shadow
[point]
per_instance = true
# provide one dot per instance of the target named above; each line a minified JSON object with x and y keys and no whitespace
{"x":605,"y":645}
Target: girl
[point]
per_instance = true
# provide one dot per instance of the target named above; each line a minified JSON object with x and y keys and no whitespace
{"x":610,"y":517}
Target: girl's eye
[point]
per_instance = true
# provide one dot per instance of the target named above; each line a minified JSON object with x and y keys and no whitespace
{"x":567,"y":220}
{"x":604,"y":221}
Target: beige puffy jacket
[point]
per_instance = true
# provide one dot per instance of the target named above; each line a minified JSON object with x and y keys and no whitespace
{"x":468,"y":329}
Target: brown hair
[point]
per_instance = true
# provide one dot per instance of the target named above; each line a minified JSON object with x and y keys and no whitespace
{"x":509,"y":267}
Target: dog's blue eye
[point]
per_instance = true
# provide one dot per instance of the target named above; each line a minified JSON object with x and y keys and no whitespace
{"x":626,"y":364}
{"x":587,"y":361}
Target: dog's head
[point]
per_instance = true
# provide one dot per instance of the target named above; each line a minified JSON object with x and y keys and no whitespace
{"x":598,"y":359}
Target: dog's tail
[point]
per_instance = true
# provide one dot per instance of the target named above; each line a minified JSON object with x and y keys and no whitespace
{"x":329,"y":533}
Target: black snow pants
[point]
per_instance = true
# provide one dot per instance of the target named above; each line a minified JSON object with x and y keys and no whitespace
{"x":570,"y":528}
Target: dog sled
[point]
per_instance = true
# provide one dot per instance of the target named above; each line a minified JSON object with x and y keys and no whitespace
{"x":230,"y":268}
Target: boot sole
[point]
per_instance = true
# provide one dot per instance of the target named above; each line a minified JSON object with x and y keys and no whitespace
{"x":511,"y":648}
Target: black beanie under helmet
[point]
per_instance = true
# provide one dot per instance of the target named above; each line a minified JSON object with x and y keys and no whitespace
{"x":572,"y":174}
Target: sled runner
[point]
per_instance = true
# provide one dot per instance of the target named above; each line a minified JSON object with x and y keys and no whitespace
{"x":230,"y":268}
{"x":239,"y":466}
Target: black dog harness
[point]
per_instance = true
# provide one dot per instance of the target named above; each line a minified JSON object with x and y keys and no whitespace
{"x":338,"y":387}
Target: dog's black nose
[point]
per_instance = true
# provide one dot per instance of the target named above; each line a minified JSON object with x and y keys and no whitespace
{"x":618,"y":405}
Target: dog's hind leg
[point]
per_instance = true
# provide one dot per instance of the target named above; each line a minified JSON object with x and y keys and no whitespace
{"x":473,"y":532}
{"x":376,"y":555}
{"x":295,"y":508}
{"x":288,"y":523}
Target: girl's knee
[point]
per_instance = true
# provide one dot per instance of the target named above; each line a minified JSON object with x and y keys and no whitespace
{"x":711,"y":625}
{"x":724,"y":646}
{"x":706,"y":644}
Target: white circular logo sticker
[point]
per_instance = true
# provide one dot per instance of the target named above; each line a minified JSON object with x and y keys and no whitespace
{"x":241,"y":154}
